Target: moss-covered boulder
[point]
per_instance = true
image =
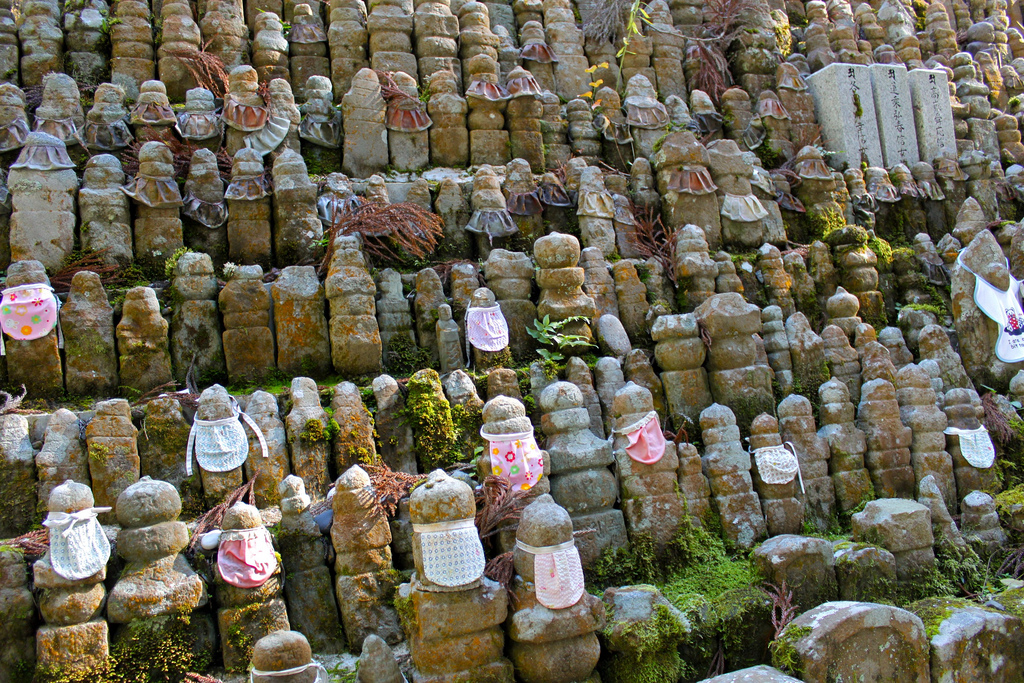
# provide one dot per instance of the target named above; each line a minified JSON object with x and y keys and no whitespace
{"x":640,"y":643}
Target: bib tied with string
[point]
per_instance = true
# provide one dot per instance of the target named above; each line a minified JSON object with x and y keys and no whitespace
{"x":78,"y":547}
{"x":778,"y":465}
{"x":321,"y":673}
{"x":557,"y":573}
{"x":975,"y":446}
{"x":221,"y":445}
{"x":646,"y":440}
{"x":245,"y":558}
{"x":1004,"y":308}
{"x":515,"y":457}
{"x":452,"y":553}
{"x":486,"y":329}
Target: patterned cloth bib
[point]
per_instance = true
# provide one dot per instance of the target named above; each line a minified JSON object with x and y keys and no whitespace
{"x":78,"y":547}
{"x":646,"y":440}
{"x":221,"y":445}
{"x":777,"y":465}
{"x":451,"y":551}
{"x":29,"y":312}
{"x":1004,"y":308}
{"x":321,"y":673}
{"x":976,"y":446}
{"x":486,"y":329}
{"x":245,"y":558}
{"x":516,"y":457}
{"x":557,"y":573}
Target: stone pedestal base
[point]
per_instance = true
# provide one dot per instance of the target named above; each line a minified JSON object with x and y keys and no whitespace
{"x":72,"y":649}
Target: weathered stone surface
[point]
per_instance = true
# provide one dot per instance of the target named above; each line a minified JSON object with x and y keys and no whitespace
{"x":248,"y":341}
{"x":783,"y":511}
{"x":162,"y":447}
{"x":157,"y":580}
{"x":355,"y":337}
{"x":727,"y":467}
{"x":307,"y":426}
{"x":19,"y":650}
{"x":62,"y":456}
{"x":837,"y":636}
{"x":755,"y":674}
{"x":110,"y":440}
{"x":865,"y":573}
{"x":311,"y":606}
{"x":250,"y":613}
{"x":580,"y":479}
{"x":216,"y":404}
{"x":303,"y":346}
{"x":550,"y":644}
{"x":262,"y":408}
{"x":629,"y":656}
{"x":87,"y":322}
{"x":804,"y":563}
{"x":734,"y":377}
{"x":970,"y":642}
{"x":142,"y":342}
{"x":904,"y":528}
{"x":195,"y":325}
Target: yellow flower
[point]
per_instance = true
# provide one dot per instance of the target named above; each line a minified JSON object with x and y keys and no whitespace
{"x":589,"y":93}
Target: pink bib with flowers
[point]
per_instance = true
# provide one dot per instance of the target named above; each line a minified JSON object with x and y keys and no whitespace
{"x":28,"y":312}
{"x":246,"y":557}
{"x":646,"y":441}
{"x":517,"y":458}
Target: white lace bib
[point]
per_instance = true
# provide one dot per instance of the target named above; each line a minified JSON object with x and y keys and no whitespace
{"x":78,"y":547}
{"x":976,"y":446}
{"x":777,"y":465}
{"x":557,"y":573}
{"x":221,"y":445}
{"x":451,"y":551}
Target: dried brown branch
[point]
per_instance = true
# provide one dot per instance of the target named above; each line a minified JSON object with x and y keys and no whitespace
{"x":653,"y":240}
{"x":391,"y":486}
{"x":996,"y":422}
{"x":206,"y":68}
{"x":712,"y":74}
{"x":192,"y":677}
{"x":783,"y":609}
{"x":606,"y":21}
{"x":499,"y":507}
{"x":1013,"y":565}
{"x":110,"y":276}
{"x":501,"y":570}
{"x":169,"y":390}
{"x":390,"y":232}
{"x":389,"y":89}
{"x":11,"y":403}
{"x":213,"y":518}
{"x":32,"y":544}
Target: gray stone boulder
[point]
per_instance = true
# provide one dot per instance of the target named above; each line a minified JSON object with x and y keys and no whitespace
{"x":753,"y":674}
{"x":855,"y":641}
{"x":904,"y":528}
{"x":970,"y":642}
{"x":805,"y":563}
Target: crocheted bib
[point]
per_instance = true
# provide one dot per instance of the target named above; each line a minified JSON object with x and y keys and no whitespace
{"x":451,"y":551}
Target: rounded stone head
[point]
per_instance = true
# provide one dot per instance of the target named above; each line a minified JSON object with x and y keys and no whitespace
{"x":280,"y":651}
{"x":242,"y":516}
{"x":560,"y":396}
{"x":268,"y":21}
{"x":318,"y":87}
{"x":557,"y":250}
{"x":103,"y":171}
{"x":199,"y":100}
{"x":156,"y":152}
{"x":70,"y":497}
{"x":147,"y":502}
{"x":243,"y":79}
{"x":441,"y":498}
{"x":482,"y":298}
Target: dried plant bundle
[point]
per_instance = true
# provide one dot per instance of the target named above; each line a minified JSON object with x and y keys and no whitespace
{"x":390,"y":232}
{"x":653,"y":240}
{"x":206,"y":68}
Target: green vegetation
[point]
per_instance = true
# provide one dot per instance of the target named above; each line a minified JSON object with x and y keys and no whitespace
{"x":438,"y":438}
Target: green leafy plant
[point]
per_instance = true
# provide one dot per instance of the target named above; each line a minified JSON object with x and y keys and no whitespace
{"x":550,"y":333}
